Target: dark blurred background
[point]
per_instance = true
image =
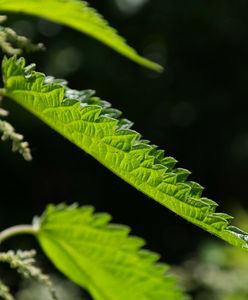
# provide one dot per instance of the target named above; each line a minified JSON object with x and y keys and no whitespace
{"x":196,"y":110}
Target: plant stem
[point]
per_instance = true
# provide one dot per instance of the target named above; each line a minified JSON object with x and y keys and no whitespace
{"x":2,"y":91}
{"x":16,"y":230}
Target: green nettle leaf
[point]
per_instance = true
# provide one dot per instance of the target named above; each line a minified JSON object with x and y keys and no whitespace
{"x":78,"y":15}
{"x":102,"y":257}
{"x":95,"y":127}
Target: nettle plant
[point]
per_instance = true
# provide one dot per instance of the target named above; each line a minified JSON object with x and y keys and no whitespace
{"x":98,"y":256}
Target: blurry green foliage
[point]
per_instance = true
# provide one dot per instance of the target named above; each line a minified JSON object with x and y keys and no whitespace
{"x":217,"y":272}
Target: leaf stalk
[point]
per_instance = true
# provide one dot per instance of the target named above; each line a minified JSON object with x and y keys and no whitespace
{"x":17,"y":230}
